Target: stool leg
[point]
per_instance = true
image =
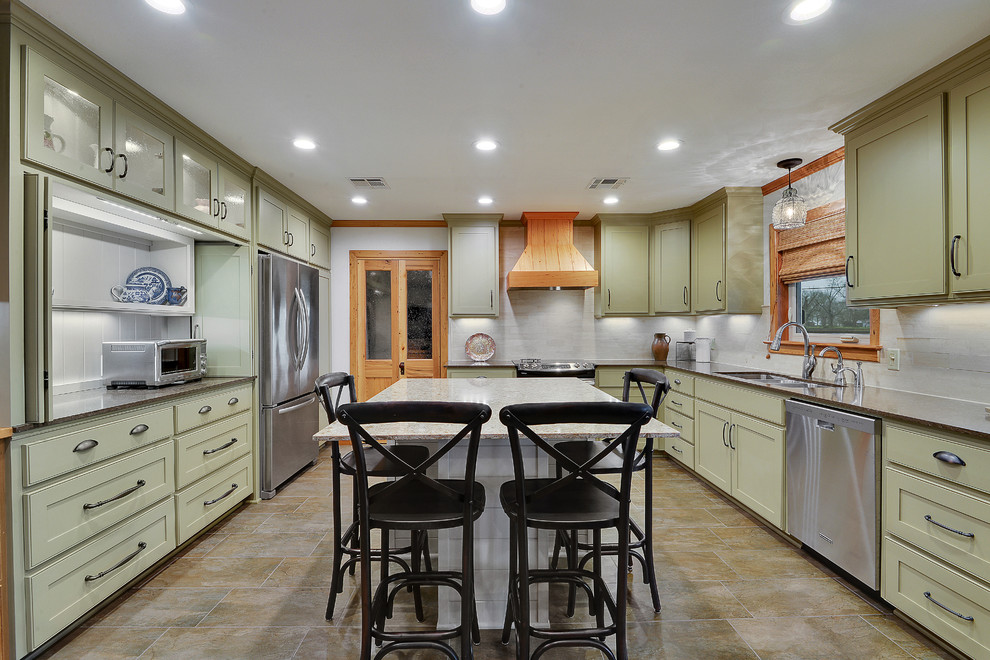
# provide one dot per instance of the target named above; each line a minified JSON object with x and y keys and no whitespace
{"x":651,"y":572}
{"x":509,"y":612}
{"x":599,"y":595}
{"x":572,"y":562}
{"x":621,"y":653}
{"x":366,"y":622}
{"x":416,"y":544}
{"x":336,"y":580}
{"x":354,"y":538}
{"x":467,"y":588}
{"x":522,"y":618}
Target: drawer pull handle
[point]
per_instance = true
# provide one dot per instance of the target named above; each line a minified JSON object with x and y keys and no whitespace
{"x":233,"y":487}
{"x":677,"y":381}
{"x":139,"y":429}
{"x":141,"y":546}
{"x":85,"y":445}
{"x":205,"y":409}
{"x":673,"y":423}
{"x":968,"y":535}
{"x":207,"y":452}
{"x":949,"y":457}
{"x":928,"y":595}
{"x":233,"y":401}
{"x":679,"y":451}
{"x":676,"y":403}
{"x":140,"y":484}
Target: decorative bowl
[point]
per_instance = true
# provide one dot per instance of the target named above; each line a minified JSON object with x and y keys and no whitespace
{"x":479,"y":347}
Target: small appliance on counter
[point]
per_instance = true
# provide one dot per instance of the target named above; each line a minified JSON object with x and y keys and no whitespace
{"x":703,"y":349}
{"x":684,"y":351}
{"x":151,"y":363}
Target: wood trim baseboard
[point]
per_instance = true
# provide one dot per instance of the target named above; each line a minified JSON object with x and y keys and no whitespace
{"x":818,"y":165}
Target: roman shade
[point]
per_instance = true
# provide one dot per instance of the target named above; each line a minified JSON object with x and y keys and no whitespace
{"x":815,"y":250}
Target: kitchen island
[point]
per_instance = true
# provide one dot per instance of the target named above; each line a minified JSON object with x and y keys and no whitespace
{"x":494,"y":467}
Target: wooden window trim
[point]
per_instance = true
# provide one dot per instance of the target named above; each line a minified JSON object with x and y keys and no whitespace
{"x":780,"y":313}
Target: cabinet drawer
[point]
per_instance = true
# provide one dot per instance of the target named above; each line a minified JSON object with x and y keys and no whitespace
{"x":916,"y":448}
{"x":682,"y":423}
{"x":756,"y":404}
{"x":681,"y":382}
{"x":202,"y":451}
{"x":205,"y":501}
{"x":60,"y":593}
{"x":909,"y":575}
{"x":909,"y":499}
{"x":211,"y":408}
{"x":77,"y":449}
{"x":56,"y":519}
{"x":611,"y":377}
{"x":678,"y":403}
{"x":682,"y":451}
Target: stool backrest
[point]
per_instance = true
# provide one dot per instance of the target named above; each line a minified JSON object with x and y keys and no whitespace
{"x":623,"y":419}
{"x":330,"y":387}
{"x":365,"y":421}
{"x":651,"y":377}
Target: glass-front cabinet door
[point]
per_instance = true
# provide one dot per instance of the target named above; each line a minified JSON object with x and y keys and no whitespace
{"x":68,"y":125}
{"x":143,"y":161}
{"x":235,"y":204}
{"x":196,"y":185}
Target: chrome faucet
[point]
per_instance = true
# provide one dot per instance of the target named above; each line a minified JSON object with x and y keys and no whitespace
{"x":839,"y":368}
{"x":809,"y":349}
{"x":857,"y":377}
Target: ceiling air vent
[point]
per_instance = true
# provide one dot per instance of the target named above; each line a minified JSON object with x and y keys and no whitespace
{"x":607,"y":183}
{"x":376,"y":182}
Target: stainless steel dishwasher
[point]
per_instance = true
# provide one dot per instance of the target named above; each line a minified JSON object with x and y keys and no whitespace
{"x":832,"y":478}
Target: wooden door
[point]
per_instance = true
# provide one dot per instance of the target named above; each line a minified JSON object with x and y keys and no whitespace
{"x":398,"y":317}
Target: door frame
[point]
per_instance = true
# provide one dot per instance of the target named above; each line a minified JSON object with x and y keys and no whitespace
{"x":355,"y":307}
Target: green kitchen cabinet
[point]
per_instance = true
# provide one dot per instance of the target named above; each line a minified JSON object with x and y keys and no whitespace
{"x":895,"y":207}
{"x":224,"y":286}
{"x":210,"y":193}
{"x":319,"y":245}
{"x":671,"y":268}
{"x":709,"y":260}
{"x":473,"y":277}
{"x":969,"y":192}
{"x":297,"y":227}
{"x":622,"y":256}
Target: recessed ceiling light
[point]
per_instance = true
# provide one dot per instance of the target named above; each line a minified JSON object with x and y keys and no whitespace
{"x":303,"y":143}
{"x":486,"y":145}
{"x":168,"y":6}
{"x":488,"y":7}
{"x":803,"y":11}
{"x":486,"y":200}
{"x":611,"y":200}
{"x":669,"y":145}
{"x":357,"y":199}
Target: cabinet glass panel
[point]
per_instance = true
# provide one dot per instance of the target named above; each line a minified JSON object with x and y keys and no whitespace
{"x":197,"y":184}
{"x":233,"y":204}
{"x":378,"y":301}
{"x":419,"y":314}
{"x":145,"y":153}
{"x":72,"y":124}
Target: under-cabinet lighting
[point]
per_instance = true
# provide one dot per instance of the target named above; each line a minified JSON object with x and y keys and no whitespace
{"x":359,"y":200}
{"x":133,"y":211}
{"x":303,"y":143}
{"x":167,"y":6}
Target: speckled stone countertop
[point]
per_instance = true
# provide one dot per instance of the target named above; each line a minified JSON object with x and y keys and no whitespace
{"x":496,"y":392}
{"x":967,"y":417}
{"x":471,"y":363}
{"x":89,"y":403}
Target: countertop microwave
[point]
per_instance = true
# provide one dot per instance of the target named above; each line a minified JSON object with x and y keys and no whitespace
{"x":153,"y":363}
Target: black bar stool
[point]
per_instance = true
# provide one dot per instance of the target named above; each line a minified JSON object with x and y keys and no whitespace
{"x":579,"y":451}
{"x":418,"y":503}
{"x":331,"y":387}
{"x":579,"y":500}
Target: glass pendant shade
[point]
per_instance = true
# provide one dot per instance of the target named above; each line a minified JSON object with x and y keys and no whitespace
{"x":790,"y":211}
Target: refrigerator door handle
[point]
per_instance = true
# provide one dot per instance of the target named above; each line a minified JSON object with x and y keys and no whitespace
{"x":305,"y":402}
{"x":304,"y":344}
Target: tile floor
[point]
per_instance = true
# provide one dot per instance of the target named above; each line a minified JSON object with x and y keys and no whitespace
{"x":256,"y":587}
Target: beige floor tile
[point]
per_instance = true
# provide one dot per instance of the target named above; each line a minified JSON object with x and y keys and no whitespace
{"x":688,"y":539}
{"x":730,"y":516}
{"x":685,"y":601}
{"x":317,"y":488}
{"x":216,"y":572}
{"x":692,"y":566}
{"x":104,"y":644}
{"x":160,"y":608}
{"x":268,"y":607}
{"x":204,"y":544}
{"x":280,"y":504}
{"x":756,"y":564}
{"x":907,"y":638}
{"x":686,"y":640}
{"x":817,"y":638}
{"x":750,"y":538}
{"x":242,"y":522}
{"x":315,"y":522}
{"x":302,"y":572}
{"x":695,"y":517}
{"x":262,"y":545}
{"x":325,"y":505}
{"x":797,"y":597}
{"x":227,"y":644}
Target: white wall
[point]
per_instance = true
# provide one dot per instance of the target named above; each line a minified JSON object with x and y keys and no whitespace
{"x":342,"y":241}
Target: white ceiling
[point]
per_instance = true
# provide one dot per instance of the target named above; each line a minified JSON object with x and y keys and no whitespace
{"x":572,"y":90}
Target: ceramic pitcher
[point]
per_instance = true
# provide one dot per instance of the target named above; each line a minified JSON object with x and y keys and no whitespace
{"x":661,"y":346}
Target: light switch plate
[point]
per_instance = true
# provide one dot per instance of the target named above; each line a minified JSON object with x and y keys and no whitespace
{"x":894,"y":359}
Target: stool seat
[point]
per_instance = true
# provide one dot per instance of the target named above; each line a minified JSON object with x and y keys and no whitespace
{"x":582,"y":451}
{"x":573,"y":505}
{"x":417,"y":506}
{"x":379,"y":466}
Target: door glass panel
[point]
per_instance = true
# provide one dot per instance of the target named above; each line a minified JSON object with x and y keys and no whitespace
{"x":233,"y":204}
{"x":196,"y":184}
{"x":145,"y":159}
{"x":419,"y":314}
{"x":378,"y":302}
{"x":72,"y":124}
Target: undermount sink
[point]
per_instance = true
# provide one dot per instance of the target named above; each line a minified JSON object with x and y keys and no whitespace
{"x":751,"y":375}
{"x":774,"y":379}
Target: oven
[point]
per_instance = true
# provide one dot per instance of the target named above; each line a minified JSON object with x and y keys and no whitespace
{"x":540,"y":368}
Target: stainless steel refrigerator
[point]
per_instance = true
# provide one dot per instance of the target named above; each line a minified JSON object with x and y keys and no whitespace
{"x":289,"y":313}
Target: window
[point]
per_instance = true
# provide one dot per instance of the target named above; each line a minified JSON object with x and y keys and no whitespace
{"x":808,"y":285}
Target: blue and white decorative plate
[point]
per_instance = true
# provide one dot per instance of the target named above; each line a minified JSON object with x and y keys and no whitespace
{"x":152,"y":280}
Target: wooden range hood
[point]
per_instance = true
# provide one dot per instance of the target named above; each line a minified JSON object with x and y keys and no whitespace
{"x":550,"y":260}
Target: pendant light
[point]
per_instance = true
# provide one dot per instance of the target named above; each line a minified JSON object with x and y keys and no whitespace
{"x":790,"y":211}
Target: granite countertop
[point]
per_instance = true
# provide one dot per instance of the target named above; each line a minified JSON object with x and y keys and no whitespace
{"x":89,"y":403}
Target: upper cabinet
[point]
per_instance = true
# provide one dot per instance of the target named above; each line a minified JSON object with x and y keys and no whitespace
{"x":709,"y":260}
{"x":622,"y":259}
{"x":297,"y":234}
{"x":917,"y":215}
{"x":72,"y":127}
{"x":727,"y":252}
{"x":671,"y":268}
{"x":283,"y":228}
{"x":211,"y":193}
{"x":474,"y":276}
{"x":319,"y":245}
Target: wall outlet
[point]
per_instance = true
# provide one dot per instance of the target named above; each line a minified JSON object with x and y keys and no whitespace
{"x":894,"y":359}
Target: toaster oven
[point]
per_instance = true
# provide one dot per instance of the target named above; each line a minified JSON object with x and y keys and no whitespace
{"x":153,"y":363}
